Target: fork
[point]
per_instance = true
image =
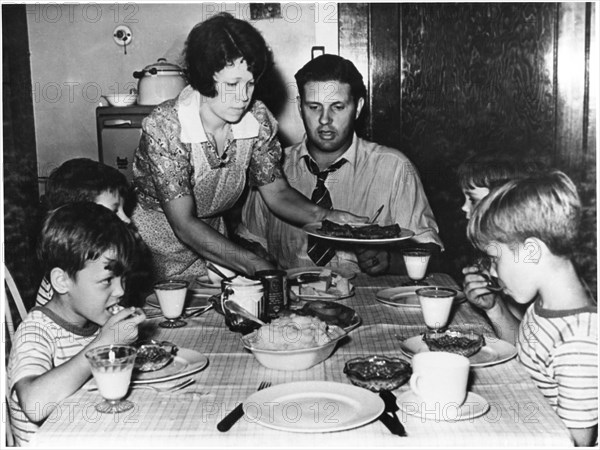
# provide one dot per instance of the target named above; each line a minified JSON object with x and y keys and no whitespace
{"x":230,"y":419}
{"x":160,"y":390}
{"x":376,"y":215}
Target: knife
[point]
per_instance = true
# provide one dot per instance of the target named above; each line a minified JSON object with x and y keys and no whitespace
{"x":391,"y":420}
{"x":231,"y":418}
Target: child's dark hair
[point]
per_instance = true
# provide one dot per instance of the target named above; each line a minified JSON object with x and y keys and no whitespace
{"x":489,"y":170}
{"x":217,"y":42}
{"x":82,"y":231}
{"x":82,"y":180}
{"x":332,"y":68}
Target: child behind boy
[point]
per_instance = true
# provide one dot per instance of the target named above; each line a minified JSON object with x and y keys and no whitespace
{"x":528,"y":229}
{"x":86,"y":180}
{"x":86,"y":252}
{"x":478,"y":175}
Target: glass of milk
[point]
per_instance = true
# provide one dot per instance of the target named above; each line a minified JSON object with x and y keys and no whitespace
{"x":171,"y":298}
{"x":436,"y":304}
{"x":112,"y":366}
{"x":416,"y":261}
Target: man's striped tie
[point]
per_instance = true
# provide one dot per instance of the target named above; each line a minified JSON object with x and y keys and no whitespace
{"x":319,"y":250}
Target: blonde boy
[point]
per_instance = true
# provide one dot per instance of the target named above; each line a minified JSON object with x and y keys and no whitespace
{"x":528,"y":229}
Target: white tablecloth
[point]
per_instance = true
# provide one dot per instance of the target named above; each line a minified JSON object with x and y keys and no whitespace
{"x":518,"y":417}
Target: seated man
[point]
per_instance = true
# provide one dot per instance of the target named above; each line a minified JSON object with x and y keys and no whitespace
{"x":335,"y":168}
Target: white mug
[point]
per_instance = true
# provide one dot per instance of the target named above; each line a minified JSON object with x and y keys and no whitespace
{"x":245,"y":292}
{"x":440,"y":378}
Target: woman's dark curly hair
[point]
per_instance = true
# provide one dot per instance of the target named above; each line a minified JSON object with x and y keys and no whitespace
{"x":217,"y":42}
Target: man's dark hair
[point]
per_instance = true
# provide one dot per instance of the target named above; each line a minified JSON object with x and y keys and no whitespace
{"x":332,"y":68}
{"x":79,"y":232}
{"x":217,"y":42}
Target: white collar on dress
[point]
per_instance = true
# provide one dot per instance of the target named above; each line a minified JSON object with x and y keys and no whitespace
{"x":192,"y":130}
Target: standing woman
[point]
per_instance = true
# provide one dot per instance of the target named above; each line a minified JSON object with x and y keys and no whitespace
{"x":198,"y":151}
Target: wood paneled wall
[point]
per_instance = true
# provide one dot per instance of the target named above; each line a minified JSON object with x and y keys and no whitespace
{"x":449,"y":80}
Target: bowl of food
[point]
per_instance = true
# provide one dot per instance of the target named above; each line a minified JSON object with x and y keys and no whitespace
{"x":454,"y":341}
{"x":154,"y":355}
{"x":378,"y":373}
{"x":293,"y":342}
{"x":121,"y":99}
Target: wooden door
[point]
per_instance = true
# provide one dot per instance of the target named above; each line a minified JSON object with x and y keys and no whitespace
{"x":449,"y":80}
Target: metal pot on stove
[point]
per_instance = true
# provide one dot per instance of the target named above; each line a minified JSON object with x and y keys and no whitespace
{"x":159,"y":82}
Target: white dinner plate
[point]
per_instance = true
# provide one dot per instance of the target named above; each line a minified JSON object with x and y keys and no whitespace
{"x":295,"y":273}
{"x":193,"y":301}
{"x":314,"y":270}
{"x":313,"y":407}
{"x":312,"y":229}
{"x":328,"y":296}
{"x":474,"y":406}
{"x":495,"y":351}
{"x":185,"y":362}
{"x":406,"y":297}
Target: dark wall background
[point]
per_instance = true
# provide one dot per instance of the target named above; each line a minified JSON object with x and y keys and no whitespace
{"x":450,"y":80}
{"x":21,"y":219}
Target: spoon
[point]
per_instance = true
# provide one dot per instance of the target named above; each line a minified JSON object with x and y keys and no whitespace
{"x":233,"y":306}
{"x":483,"y":264}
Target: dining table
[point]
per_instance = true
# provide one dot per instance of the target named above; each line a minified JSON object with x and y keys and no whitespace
{"x":518,"y":415}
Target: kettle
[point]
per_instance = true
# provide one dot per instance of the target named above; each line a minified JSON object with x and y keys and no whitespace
{"x":159,"y":82}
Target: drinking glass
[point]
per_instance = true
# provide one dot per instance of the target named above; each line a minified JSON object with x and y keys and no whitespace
{"x":436,"y":303}
{"x":416,"y":261}
{"x":171,"y":297}
{"x":112,"y":366}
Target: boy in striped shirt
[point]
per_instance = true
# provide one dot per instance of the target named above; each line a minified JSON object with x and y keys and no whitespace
{"x":528,"y":229}
{"x":86,"y":251}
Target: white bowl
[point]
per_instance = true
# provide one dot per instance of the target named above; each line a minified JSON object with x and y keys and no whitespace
{"x":216,"y":279}
{"x":121,"y":99}
{"x":300,"y":359}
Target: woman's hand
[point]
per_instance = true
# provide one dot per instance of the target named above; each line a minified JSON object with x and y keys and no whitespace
{"x":475,"y":287}
{"x":122,"y":328}
{"x":339,"y":216}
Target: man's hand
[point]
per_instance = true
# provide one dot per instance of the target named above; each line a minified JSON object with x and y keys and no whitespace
{"x":372,"y":261}
{"x":475,"y":288}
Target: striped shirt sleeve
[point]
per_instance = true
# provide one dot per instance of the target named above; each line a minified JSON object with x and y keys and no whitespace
{"x":32,"y":351}
{"x":575,"y":365}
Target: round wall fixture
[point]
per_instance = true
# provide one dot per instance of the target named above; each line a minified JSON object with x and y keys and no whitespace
{"x":122,"y":35}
